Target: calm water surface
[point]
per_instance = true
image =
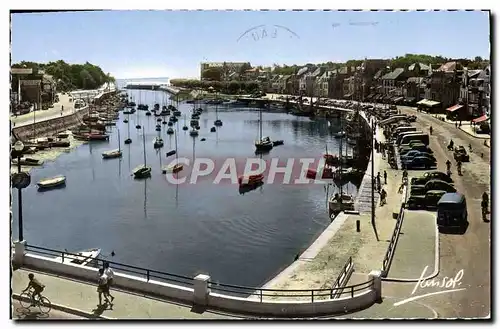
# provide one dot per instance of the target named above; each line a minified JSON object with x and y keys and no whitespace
{"x":186,"y":229}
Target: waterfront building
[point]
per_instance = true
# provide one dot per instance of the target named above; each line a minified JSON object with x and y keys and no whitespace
{"x":443,"y":84}
{"x":301,"y":76}
{"x":312,"y":82}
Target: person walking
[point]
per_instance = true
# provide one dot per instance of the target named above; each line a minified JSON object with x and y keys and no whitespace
{"x":110,"y":275}
{"x":383,"y":195}
{"x":385,"y":177}
{"x":102,"y":285}
{"x":405,"y":175}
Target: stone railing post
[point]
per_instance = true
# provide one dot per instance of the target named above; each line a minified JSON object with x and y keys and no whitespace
{"x":376,"y":276}
{"x":19,"y":250}
{"x":201,"y":289}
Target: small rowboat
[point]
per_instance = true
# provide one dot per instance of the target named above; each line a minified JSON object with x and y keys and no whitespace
{"x":28,"y":162}
{"x":111,"y":154}
{"x":173,"y":168}
{"x":142,"y":171}
{"x":53,"y":182}
{"x":250,"y":180}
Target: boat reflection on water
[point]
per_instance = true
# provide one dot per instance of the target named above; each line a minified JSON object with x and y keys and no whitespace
{"x":250,"y":187}
{"x":262,"y":151}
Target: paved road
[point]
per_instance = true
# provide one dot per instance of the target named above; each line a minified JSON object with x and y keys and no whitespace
{"x":21,"y":313}
{"x":55,"y":112}
{"x":471,"y":251}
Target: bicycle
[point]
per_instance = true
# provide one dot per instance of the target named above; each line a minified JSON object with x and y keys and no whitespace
{"x":42,"y":302}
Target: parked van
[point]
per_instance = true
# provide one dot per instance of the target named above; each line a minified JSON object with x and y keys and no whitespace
{"x":404,"y":133}
{"x":424,"y":138}
{"x":452,"y":211}
{"x":402,"y":130}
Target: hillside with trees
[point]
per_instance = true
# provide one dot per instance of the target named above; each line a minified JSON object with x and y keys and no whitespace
{"x":70,"y":76}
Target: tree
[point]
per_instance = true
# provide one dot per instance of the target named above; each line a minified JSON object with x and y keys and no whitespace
{"x":244,"y":68}
{"x":71,"y":76}
{"x":213,"y":74}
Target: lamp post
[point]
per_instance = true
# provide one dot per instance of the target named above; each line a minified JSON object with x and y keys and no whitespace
{"x":373,"y":130}
{"x":20,"y":181}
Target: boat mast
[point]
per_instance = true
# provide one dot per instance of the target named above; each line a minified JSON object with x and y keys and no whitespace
{"x":260,"y":124}
{"x":340,"y":154}
{"x":176,"y":155}
{"x":128,"y":125}
{"x":119,"y":147}
{"x":144,"y":145}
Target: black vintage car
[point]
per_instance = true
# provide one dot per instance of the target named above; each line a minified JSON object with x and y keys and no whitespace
{"x":415,"y":147}
{"x":427,"y":201}
{"x":415,"y":202}
{"x":420,"y":162}
{"x":429,"y":176}
{"x":432,"y":198}
{"x":434,"y":184}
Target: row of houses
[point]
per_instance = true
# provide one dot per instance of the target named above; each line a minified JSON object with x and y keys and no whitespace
{"x":447,"y":87}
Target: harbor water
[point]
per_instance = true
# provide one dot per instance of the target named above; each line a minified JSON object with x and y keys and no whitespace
{"x":187,"y":229}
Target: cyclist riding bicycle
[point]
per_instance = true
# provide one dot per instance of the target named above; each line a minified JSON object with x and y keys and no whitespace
{"x":37,"y":288}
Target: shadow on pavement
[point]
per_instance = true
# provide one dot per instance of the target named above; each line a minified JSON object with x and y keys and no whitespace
{"x":22,"y":313}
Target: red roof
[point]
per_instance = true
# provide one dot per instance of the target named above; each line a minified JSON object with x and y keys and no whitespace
{"x":454,"y":107}
{"x":481,"y":118}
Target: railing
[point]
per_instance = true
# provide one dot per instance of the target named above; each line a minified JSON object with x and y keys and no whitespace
{"x":224,"y":289}
{"x":242,"y":291}
{"x":118,"y":267}
{"x":392,"y":244}
{"x":342,"y":279}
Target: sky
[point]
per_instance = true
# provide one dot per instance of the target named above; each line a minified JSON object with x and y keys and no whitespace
{"x":143,"y":44}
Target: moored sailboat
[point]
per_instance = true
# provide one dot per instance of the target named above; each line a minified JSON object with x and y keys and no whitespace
{"x":116,"y":153}
{"x":142,"y":171}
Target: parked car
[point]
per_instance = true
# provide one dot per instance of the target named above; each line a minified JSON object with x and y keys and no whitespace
{"x":429,"y":157}
{"x":434,"y":184}
{"x":416,"y":147}
{"x":432,"y":198}
{"x":430,"y":175}
{"x":415,"y":202}
{"x":420,"y":162}
{"x":415,"y":153}
{"x":409,"y":145}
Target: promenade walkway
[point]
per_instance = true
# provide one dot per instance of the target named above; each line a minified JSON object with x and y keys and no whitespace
{"x":66,"y":102}
{"x":83,"y":297}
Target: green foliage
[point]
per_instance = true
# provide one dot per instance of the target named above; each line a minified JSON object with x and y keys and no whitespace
{"x":286,"y":70}
{"x":71,"y":76}
{"x":213,"y":73}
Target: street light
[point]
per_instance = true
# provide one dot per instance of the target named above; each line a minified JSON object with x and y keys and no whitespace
{"x":20,"y":181}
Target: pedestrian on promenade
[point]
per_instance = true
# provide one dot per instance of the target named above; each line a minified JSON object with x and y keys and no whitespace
{"x":378,"y":178}
{"x":385,"y":177}
{"x":456,"y":124}
{"x":102,"y":285}
{"x":383,"y":195}
{"x":109,"y":274}
{"x":405,"y":174}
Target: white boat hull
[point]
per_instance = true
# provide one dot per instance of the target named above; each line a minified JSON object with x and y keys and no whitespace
{"x":83,"y":258}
